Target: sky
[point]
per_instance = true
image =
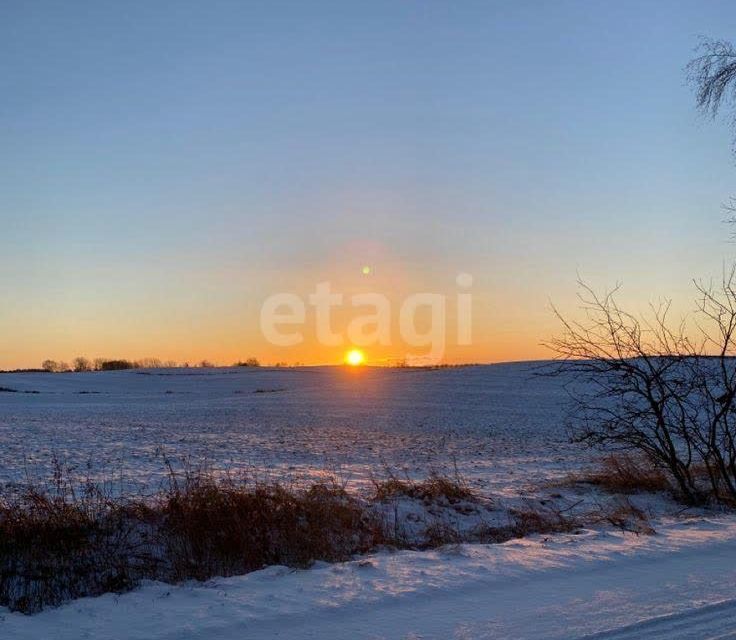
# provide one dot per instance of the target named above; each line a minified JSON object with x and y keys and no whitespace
{"x":167,"y":167}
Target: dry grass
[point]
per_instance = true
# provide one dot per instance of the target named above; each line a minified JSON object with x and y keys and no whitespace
{"x":626,"y":474}
{"x":626,"y":516}
{"x":67,"y":541}
{"x":57,"y":544}
{"x":439,"y":534}
{"x":434,"y":488}
{"x":223,"y":529}
{"x":53,"y":548}
{"x":530,"y":520}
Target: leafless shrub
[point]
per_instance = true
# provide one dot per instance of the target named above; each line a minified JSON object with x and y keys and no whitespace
{"x":668,"y":394}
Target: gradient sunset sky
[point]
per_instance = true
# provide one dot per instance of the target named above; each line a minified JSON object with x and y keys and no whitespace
{"x":166,"y":166}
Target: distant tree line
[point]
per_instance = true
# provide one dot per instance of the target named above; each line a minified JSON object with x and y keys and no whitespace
{"x":82,"y":364}
{"x":250,"y":362}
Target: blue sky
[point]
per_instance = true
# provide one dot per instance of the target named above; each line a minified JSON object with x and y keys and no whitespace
{"x":165,"y":166}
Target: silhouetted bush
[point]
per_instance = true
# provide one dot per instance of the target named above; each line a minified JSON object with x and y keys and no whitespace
{"x":116,"y":365}
{"x":250,"y":362}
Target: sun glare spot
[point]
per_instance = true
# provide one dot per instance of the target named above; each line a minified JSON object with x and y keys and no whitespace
{"x":355,"y":357}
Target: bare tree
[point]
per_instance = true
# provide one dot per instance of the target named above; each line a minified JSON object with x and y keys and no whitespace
{"x":713,"y":76}
{"x":668,"y":392}
{"x":82,"y":364}
{"x":51,"y":366}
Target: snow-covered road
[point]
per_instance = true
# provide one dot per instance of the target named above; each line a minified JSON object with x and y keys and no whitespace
{"x":709,"y":622}
{"x":677,"y":585}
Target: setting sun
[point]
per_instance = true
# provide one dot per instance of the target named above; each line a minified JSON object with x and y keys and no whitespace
{"x":355,"y":357}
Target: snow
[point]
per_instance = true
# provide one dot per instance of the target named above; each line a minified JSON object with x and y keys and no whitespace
{"x":499,"y":426}
{"x":677,"y":584}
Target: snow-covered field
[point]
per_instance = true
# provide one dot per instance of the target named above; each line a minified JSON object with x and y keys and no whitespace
{"x":500,"y":424}
{"x":502,"y":428}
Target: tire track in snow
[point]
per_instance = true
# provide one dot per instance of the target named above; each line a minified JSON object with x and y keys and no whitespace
{"x":710,"y":622}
